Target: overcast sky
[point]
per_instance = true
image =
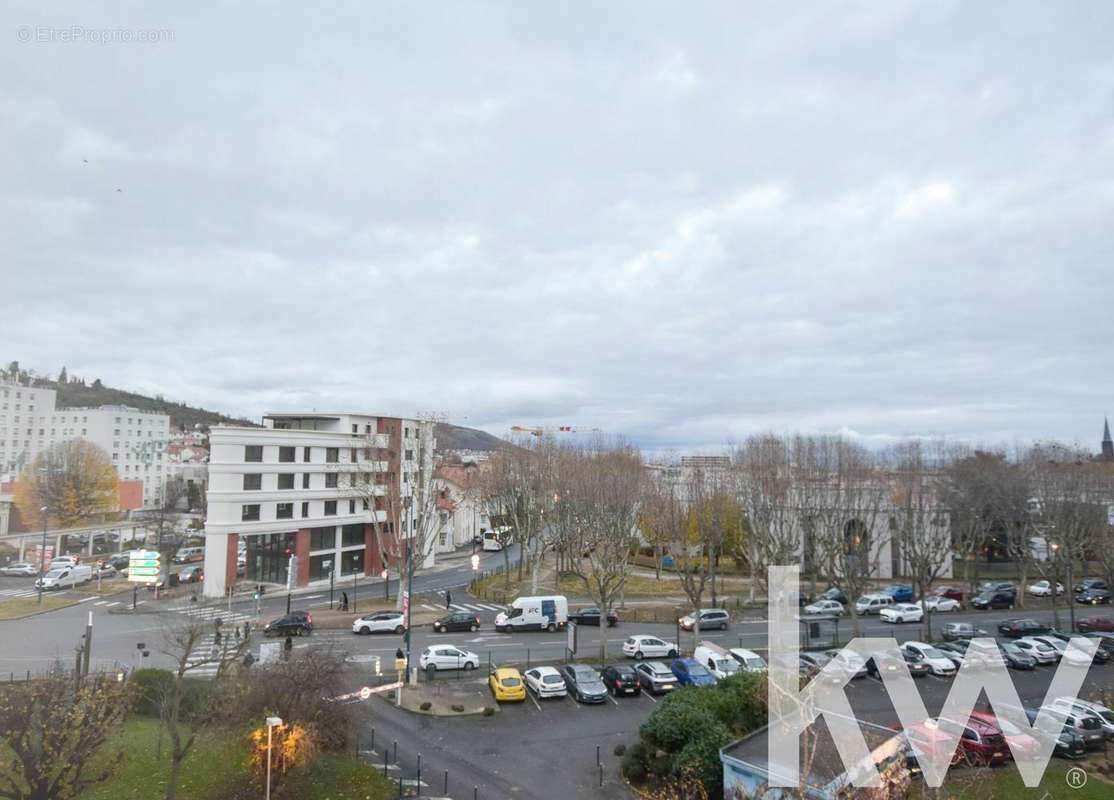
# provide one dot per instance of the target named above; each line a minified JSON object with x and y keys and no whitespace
{"x":681,"y":224}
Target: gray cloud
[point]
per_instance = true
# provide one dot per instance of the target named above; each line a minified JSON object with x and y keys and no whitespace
{"x":678,"y":226}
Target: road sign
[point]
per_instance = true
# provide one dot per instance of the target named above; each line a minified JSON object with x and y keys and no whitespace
{"x":143,"y":565}
{"x":43,"y":557}
{"x":365,"y":693}
{"x":570,"y":637}
{"x":405,"y":602}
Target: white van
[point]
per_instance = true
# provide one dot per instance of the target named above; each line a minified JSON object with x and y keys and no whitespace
{"x":872,"y":603}
{"x":59,"y":577}
{"x":718,"y":661}
{"x":548,"y":613}
{"x":496,"y":539}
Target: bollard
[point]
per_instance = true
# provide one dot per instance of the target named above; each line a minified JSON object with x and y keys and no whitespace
{"x":597,"y":755}
{"x":601,"y":775}
{"x":385,"y":762}
{"x":373,"y":738}
{"x":400,"y":786}
{"x":396,"y":751}
{"x":357,"y":744}
{"x":419,"y":773}
{"x":475,"y":792}
{"x":445,"y":791}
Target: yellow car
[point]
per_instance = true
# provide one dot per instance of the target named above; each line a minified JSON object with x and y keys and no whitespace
{"x":506,"y":684}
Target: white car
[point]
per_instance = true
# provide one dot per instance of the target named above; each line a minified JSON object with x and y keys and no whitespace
{"x":829,"y":607}
{"x":937,"y":604}
{"x":748,"y":659}
{"x":1044,"y":589}
{"x":380,"y":622}
{"x":446,"y":656}
{"x":1043,"y":652}
{"x":901,"y":612}
{"x":938,"y":663}
{"x":1100,"y":711}
{"x":851,"y":662}
{"x":1061,"y":647}
{"x":20,"y":569}
{"x":64,"y":561}
{"x":872,"y":603}
{"x":545,"y":682}
{"x":640,"y":647}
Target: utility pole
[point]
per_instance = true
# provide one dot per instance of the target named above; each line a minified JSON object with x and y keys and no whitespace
{"x":88,"y":648}
{"x":409,"y":571}
{"x":45,"y":511}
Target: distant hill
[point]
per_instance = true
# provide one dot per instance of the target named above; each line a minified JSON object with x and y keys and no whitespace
{"x":454,"y":437}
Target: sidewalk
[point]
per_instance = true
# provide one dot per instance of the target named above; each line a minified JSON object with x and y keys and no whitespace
{"x":447,"y":697}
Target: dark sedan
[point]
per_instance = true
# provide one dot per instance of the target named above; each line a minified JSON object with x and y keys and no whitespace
{"x":1101,"y":624}
{"x":950,"y":592}
{"x":993,"y":599}
{"x":835,"y":593}
{"x":290,"y":625}
{"x":1089,"y":583}
{"x":191,"y":574}
{"x":887,"y":663}
{"x":584,"y":683}
{"x":457,"y":621}
{"x":621,"y":679}
{"x":591,"y":616}
{"x":1016,"y":628}
{"x":1015,"y":657}
{"x":1093,"y":597}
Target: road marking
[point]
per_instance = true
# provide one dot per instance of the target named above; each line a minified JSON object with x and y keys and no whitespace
{"x":649,"y":697}
{"x":87,"y":599}
{"x":533,"y":700}
{"x":116,"y":603}
{"x":428,"y":607}
{"x":141,"y":602}
{"x":612,"y":699}
{"x":101,"y":603}
{"x":314,"y":597}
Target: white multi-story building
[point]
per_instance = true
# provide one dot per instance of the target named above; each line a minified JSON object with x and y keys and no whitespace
{"x":25,"y":415}
{"x":135,"y":440}
{"x":312,"y":485}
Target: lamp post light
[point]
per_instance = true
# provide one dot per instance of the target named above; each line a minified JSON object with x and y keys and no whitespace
{"x":272,"y":723}
{"x":385,"y":575}
{"x":45,"y":511}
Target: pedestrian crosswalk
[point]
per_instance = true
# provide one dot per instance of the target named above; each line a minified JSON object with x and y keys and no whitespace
{"x":470,"y":606}
{"x":206,"y":658}
{"x":11,"y":594}
{"x":213,"y":613}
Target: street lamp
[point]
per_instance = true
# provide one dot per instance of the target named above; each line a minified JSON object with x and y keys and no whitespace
{"x":272,"y":723}
{"x":45,"y":511}
{"x":386,"y":584}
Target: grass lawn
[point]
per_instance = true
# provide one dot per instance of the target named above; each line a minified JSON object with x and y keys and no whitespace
{"x":216,"y":769}
{"x":331,"y":776}
{"x":19,"y":607}
{"x":1004,"y":783}
{"x":495,"y":587}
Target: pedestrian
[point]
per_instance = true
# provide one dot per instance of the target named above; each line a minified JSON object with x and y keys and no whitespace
{"x":216,"y":639}
{"x":249,"y":659}
{"x":287,"y":647}
{"x":448,"y":600}
{"x":247,"y":628}
{"x":344,"y":601}
{"x":237,"y":634}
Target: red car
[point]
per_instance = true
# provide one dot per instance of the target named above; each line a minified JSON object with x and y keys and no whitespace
{"x":981,"y":741}
{"x":1088,"y":624}
{"x":951,"y":592}
{"x":1021,"y":745}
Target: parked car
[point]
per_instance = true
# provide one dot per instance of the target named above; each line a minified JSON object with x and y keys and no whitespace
{"x":1093,"y":597}
{"x":545,"y":682}
{"x":998,"y":586}
{"x":691,"y":672}
{"x":1020,"y":744}
{"x":21,"y":569}
{"x":188,"y":554}
{"x":380,"y":622}
{"x":1105,"y":715}
{"x":620,"y":679}
{"x":938,"y":604}
{"x":457,"y":621}
{"x":119,"y":561}
{"x":643,"y":646}
{"x":1015,"y":657}
{"x":1105,"y":642}
{"x":812,"y":662}
{"x":901,"y":612}
{"x":506,"y":685}
{"x":956,"y":651}
{"x":1043,"y":589}
{"x":900,"y":592}
{"x":852,"y":663}
{"x":1043,"y":652}
{"x":65,"y":561}
{"x":1073,"y":656}
{"x":981,"y":741}
{"x":872,"y":603}
{"x":655,"y":677}
{"x":993,"y":599}
{"x":1085,"y":723}
{"x":710,"y":618}
{"x":1088,"y":624}
{"x":960,"y":630}
{"x":950,"y":592}
{"x":1089,"y":583}
{"x":591,"y":616}
{"x":1066,"y":740}
{"x":718,"y":661}
{"x":829,"y":607}
{"x":446,"y":656}
{"x":876,"y":665}
{"x":191,"y":574}
{"x":584,"y":683}
{"x":289,"y":625}
{"x":938,"y":663}
{"x":748,"y":659}
{"x":835,"y":593}
{"x":1016,"y":628}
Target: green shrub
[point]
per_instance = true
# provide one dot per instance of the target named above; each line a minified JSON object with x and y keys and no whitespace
{"x":633,"y":765}
{"x":150,"y":686}
{"x":620,"y":749}
{"x":489,"y":711}
{"x":426,"y":706}
{"x":457,"y":708}
{"x":699,"y":759}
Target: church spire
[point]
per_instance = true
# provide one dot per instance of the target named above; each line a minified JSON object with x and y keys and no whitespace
{"x":1107,"y":443}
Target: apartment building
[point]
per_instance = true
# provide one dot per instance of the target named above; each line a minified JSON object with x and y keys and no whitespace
{"x":314,"y":485}
{"x":135,"y":440}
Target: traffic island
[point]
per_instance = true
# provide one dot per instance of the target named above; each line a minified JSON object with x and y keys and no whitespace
{"x":447,"y":698}
{"x":23,"y":607}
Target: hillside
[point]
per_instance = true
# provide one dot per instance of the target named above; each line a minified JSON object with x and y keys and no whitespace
{"x":454,"y":437}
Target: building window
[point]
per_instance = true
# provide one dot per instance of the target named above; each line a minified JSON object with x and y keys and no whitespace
{"x":286,"y":455}
{"x":355,"y":428}
{"x":115,"y":456}
{"x":330,"y":480}
{"x":351,"y":506}
{"x":249,"y":513}
{"x":367,"y":505}
{"x":286,"y":481}
{"x":305,"y":509}
{"x":253,"y":482}
{"x":330,"y":508}
{"x":351,"y":535}
{"x":305,"y":480}
{"x":284,"y":511}
{"x":332,"y":455}
{"x":355,"y":455}
{"x":116,"y":432}
{"x":351,"y":561}
{"x":409,"y":455}
{"x":323,"y":538}
{"x":253,"y":452}
{"x":320,"y":566}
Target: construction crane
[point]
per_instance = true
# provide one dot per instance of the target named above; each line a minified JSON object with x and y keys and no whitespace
{"x":541,"y":430}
